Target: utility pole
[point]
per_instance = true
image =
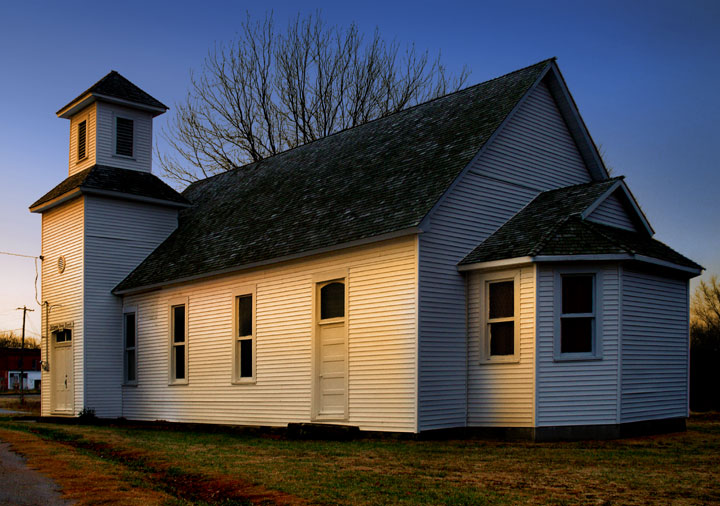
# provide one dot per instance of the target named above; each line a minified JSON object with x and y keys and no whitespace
{"x":24,"y":309}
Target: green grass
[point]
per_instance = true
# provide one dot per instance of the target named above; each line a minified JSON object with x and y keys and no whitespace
{"x":679,"y":468}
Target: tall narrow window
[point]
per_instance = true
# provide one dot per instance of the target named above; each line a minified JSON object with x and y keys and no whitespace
{"x":130,"y":338}
{"x":501,"y":318}
{"x":178,"y":345}
{"x":244,"y":352}
{"x":577,"y":318}
{"x":82,"y":139}
{"x":123,"y":136}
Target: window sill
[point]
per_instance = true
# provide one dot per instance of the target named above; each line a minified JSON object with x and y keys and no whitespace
{"x":248,"y":381}
{"x":123,"y":157}
{"x":510,"y":359}
{"x":577,"y":358}
{"x":131,"y":385}
{"x":82,"y":160}
{"x":178,"y":383}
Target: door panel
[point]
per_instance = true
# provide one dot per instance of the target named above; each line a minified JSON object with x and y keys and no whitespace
{"x":62,"y":379}
{"x":331,"y":351}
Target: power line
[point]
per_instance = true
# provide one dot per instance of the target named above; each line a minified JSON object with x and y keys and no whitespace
{"x":35,"y":258}
{"x":17,"y":254}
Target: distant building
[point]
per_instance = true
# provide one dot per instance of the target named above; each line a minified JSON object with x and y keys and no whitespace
{"x":468,"y":262}
{"x":11,"y":364}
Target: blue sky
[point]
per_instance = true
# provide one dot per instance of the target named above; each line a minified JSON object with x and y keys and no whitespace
{"x":644,"y":75}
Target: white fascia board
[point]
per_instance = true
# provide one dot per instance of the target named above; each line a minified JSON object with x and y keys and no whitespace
{"x":495,"y":264}
{"x":670,"y":265}
{"x":271,"y":261}
{"x":582,"y":258}
{"x":130,"y":196}
{"x":56,"y":201}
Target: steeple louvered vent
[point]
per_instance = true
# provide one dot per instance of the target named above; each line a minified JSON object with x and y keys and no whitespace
{"x":123,"y":137}
{"x":82,"y":140}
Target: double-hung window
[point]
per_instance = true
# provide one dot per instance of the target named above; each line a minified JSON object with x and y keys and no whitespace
{"x":178,"y":343}
{"x":576,"y":309}
{"x":500,"y":319}
{"x":130,"y":346}
{"x":244,"y":335}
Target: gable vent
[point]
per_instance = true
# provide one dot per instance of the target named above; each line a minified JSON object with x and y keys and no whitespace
{"x":82,"y":139}
{"x":124,"y":137}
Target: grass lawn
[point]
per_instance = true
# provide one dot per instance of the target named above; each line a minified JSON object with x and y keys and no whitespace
{"x":172,"y":465}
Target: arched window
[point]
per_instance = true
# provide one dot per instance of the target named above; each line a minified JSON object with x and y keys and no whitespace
{"x":332,"y":300}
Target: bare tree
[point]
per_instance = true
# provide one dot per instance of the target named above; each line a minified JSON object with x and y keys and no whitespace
{"x":705,"y":308}
{"x":268,"y":92}
{"x":10,"y":339}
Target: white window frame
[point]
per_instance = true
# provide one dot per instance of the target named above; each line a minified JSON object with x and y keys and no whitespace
{"x":172,"y":303}
{"x":236,"y":379}
{"x":114,"y":136}
{"x":486,"y":279}
{"x":596,"y":353}
{"x":130,"y":310}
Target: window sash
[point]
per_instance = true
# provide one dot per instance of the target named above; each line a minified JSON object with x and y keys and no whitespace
{"x":594,"y":352}
{"x":487,"y":323}
{"x":178,"y":349}
{"x":244,"y":368}
{"x":130,"y":352}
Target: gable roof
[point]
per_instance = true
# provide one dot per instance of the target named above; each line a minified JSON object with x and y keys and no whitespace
{"x":105,"y":179}
{"x":114,"y":88}
{"x":552,"y":225}
{"x":378,"y":178}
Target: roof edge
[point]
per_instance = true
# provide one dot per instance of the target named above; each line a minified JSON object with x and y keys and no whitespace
{"x":46,"y":206}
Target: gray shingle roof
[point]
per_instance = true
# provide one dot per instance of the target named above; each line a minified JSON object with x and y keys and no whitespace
{"x":377,"y":178}
{"x":116,"y":86}
{"x":552,"y":225}
{"x":102,"y":177}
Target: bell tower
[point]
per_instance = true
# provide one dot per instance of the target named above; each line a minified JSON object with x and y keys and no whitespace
{"x":98,"y":224}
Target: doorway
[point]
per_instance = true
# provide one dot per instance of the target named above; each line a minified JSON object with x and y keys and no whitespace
{"x":61,"y":370}
{"x":330,"y":351}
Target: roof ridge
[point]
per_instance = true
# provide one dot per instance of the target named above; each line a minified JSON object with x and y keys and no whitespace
{"x":546,"y":61}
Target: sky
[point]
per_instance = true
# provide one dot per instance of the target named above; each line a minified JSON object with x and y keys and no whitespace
{"x":644,"y":76}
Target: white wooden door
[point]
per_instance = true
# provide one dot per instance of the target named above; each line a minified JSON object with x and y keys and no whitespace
{"x":61,"y":369}
{"x":331,"y":351}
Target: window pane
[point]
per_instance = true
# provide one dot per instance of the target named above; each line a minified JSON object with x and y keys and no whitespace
{"x":502,"y":338}
{"x":179,"y":324}
{"x":576,"y":335}
{"x":577,"y":294}
{"x":502,"y":299}
{"x":129,"y":330}
{"x":124,"y":136}
{"x":332,"y":301}
{"x":246,"y":358}
{"x":60,"y":336}
{"x":245,"y":315}
{"x":68,"y":335}
{"x":179,"y":361}
{"x":130,"y":365}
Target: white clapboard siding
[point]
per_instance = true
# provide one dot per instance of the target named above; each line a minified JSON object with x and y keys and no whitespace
{"x":119,"y":234}
{"x":533,"y":152}
{"x":612,"y":212}
{"x":88,"y":114}
{"x":502,"y":394}
{"x":142,"y":137}
{"x":536,"y":148}
{"x":654,"y":347}
{"x":577,"y":392}
{"x":382,"y":339}
{"x":62,"y":235}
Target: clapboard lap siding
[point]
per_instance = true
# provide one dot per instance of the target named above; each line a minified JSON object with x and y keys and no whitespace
{"x":533,"y":152}
{"x":502,"y":394}
{"x":142,"y":137}
{"x":62,"y":235}
{"x":577,"y":392}
{"x":655,"y":347}
{"x":89,"y":114}
{"x":612,"y":212}
{"x":381,"y":344}
{"x":119,"y":234}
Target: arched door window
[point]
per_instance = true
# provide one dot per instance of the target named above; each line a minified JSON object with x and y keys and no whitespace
{"x":332,"y":300}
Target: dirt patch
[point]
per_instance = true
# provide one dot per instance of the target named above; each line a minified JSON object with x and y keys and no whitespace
{"x":81,"y":478}
{"x":176,"y":481}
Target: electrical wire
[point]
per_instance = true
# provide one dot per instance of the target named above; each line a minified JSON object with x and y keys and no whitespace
{"x":35,"y":258}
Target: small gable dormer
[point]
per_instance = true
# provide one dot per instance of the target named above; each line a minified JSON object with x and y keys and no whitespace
{"x":111,"y":124}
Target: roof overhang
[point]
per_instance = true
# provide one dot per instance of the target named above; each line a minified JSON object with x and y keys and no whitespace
{"x":46,"y":206}
{"x":270,"y":261}
{"x":82,"y":102}
{"x":612,"y":257}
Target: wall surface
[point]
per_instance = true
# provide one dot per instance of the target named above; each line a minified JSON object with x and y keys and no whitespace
{"x":582,"y":392}
{"x":502,"y":394}
{"x":655,"y":346}
{"x":62,"y":235}
{"x":533,"y":152}
{"x":382,"y":339}
{"x":119,"y":234}
{"x":142,"y":137}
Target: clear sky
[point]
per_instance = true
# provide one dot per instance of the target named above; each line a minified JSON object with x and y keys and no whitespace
{"x":644,"y":75}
